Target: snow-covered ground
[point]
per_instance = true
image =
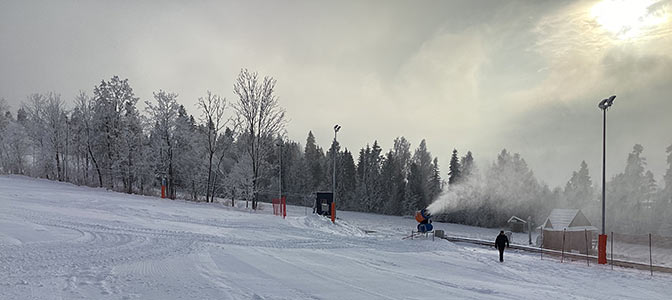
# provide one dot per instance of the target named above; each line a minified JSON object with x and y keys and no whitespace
{"x":60,"y":241}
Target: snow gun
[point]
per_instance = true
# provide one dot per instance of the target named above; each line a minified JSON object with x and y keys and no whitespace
{"x":422,"y":216}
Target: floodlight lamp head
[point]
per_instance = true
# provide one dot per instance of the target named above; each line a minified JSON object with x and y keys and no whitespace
{"x":337,"y":128}
{"x":603,"y":104}
{"x":610,"y":101}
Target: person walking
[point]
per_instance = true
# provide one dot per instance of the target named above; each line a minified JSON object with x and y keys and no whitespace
{"x":501,"y":242}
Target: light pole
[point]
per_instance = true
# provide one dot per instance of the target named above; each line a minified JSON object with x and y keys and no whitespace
{"x":336,"y":129}
{"x":602,"y":242}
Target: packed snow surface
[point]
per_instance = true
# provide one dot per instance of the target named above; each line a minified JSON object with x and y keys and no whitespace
{"x":60,"y":241}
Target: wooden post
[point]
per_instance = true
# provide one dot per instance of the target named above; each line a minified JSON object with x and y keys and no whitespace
{"x":585,"y":233}
{"x":612,"y":250}
{"x":650,"y":256}
{"x":541,"y":245}
{"x":562,"y":258}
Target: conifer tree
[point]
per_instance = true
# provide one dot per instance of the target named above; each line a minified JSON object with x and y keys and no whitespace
{"x":579,"y":189}
{"x":315,"y":162}
{"x":467,"y":166}
{"x":455,"y":169}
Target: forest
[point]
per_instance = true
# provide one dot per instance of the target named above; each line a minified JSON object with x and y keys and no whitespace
{"x":237,"y":150}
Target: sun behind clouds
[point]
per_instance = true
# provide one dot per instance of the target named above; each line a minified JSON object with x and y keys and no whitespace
{"x":633,"y":19}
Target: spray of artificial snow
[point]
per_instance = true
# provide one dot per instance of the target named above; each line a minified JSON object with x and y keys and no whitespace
{"x":460,"y":195}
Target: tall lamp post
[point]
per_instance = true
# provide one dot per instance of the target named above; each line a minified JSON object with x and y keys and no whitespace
{"x":333,"y":181}
{"x":602,"y":242}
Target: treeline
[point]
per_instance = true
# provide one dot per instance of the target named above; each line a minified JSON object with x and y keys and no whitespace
{"x":236,"y":150}
{"x":103,"y":140}
{"x":635,"y":202}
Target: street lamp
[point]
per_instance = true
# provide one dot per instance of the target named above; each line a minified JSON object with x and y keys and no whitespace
{"x":336,"y":129}
{"x":602,"y":242}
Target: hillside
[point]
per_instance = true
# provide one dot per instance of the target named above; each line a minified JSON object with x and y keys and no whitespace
{"x":60,"y":241}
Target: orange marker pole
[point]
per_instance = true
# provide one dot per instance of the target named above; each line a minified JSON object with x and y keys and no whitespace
{"x":333,"y":212}
{"x":163,"y":188}
{"x":284,"y":207}
{"x":602,"y":249}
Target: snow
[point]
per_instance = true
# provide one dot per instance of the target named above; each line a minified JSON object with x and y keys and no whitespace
{"x":60,"y":241}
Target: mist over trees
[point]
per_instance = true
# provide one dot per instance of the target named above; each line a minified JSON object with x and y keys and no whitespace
{"x":236,"y":151}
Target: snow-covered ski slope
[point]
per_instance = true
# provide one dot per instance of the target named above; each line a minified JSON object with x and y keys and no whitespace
{"x":60,"y":241}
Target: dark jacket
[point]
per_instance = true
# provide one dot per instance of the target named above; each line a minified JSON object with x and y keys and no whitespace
{"x":501,"y":241}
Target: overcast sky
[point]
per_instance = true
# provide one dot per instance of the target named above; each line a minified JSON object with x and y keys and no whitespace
{"x":471,"y":75}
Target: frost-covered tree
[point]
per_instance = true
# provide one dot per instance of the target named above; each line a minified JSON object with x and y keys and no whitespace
{"x":260,"y":117}
{"x":36,"y":128}
{"x":631,"y":196}
{"x":368,"y":178}
{"x":164,"y":114}
{"x":511,"y":189}
{"x":315,"y":164}
{"x":6,"y":122}
{"x":419,"y":179}
{"x":347,"y":178}
{"x":132,"y":145}
{"x":241,"y":180}
{"x":435,"y":182}
{"x":188,"y":159}
{"x":212,"y":108}
{"x":467,"y":166}
{"x":455,"y":169}
{"x":87,"y":136}
{"x":113,"y":110}
{"x":13,"y":141}
{"x":667,"y":178}
{"x":55,"y":117}
{"x":579,"y":189}
{"x":394,"y":173}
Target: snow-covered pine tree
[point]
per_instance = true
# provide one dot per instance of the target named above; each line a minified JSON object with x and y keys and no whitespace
{"x":455,"y":169}
{"x":188,"y":160}
{"x":435,"y":184}
{"x":467,"y":166}
{"x":631,"y":195}
{"x":579,"y":189}
{"x":347,"y":178}
{"x":421,"y":175}
{"x":315,"y":164}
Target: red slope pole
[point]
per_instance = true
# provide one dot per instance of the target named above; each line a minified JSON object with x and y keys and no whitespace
{"x":284,"y":207}
{"x":333,"y":212}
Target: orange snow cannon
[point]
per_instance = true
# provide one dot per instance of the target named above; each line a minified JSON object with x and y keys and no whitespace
{"x":422,"y":216}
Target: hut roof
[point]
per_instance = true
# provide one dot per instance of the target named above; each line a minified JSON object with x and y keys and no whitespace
{"x":566,"y":218}
{"x":515,"y":219}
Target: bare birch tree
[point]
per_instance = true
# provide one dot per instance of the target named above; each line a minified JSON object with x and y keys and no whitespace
{"x":212,"y":115}
{"x":260,"y":117}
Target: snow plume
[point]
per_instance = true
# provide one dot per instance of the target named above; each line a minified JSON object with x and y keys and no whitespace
{"x":459,"y":195}
{"x":489,"y":198}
